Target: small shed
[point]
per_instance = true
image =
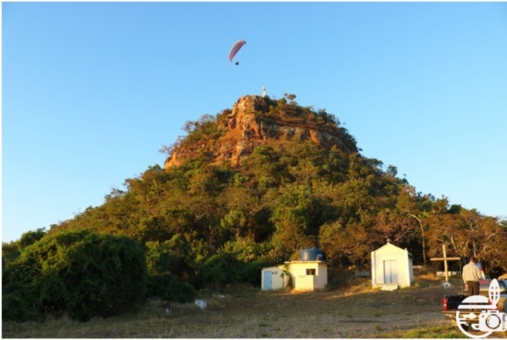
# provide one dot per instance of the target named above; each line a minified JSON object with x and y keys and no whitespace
{"x":309,"y":273}
{"x":391,"y":266}
{"x":272,"y":278}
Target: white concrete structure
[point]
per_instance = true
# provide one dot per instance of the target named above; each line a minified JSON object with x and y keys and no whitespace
{"x":272,"y":278}
{"x":308,"y":275}
{"x":305,"y":275}
{"x":391,"y":265}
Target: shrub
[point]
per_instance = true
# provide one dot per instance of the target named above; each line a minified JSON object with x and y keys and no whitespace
{"x":218,"y":271}
{"x":19,"y":299}
{"x":84,"y":274}
{"x":31,"y":237}
{"x":170,"y":288}
{"x":173,"y":256}
{"x":227,"y":268}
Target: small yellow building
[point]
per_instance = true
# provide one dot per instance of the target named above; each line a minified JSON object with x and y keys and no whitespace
{"x":307,"y":274}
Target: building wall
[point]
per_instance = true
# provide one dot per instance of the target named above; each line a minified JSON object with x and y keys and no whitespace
{"x":391,"y":264}
{"x":308,"y":275}
{"x":410,"y":270}
{"x":320,"y":280}
{"x":300,"y":280}
{"x":277,"y":281}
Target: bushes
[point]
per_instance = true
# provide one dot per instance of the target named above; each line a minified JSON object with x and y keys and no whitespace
{"x":81,"y":273}
{"x":170,"y":288}
{"x":173,"y":256}
{"x":86,"y":274}
{"x":218,"y":270}
{"x":169,"y":264}
{"x":236,"y":262}
{"x":19,"y":298}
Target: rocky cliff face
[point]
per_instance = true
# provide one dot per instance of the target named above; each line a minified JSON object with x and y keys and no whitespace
{"x":245,"y":128}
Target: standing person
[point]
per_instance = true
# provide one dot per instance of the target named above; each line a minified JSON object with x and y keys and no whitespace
{"x":471,"y":276}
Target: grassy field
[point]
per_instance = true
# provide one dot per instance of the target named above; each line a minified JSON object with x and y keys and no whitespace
{"x":354,"y":310}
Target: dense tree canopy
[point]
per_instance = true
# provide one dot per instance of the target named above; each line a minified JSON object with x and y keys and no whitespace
{"x":293,"y":195}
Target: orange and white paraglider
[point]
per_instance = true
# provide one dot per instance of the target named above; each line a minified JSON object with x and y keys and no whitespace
{"x":235,"y":48}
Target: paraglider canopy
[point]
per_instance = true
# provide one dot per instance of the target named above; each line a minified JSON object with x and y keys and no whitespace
{"x":235,"y":48}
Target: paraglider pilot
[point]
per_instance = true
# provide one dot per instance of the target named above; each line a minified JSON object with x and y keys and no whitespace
{"x":235,"y":48}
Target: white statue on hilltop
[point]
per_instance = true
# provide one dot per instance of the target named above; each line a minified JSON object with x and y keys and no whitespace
{"x":263,"y":91}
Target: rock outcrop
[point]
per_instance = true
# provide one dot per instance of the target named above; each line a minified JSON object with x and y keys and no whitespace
{"x":245,"y":128}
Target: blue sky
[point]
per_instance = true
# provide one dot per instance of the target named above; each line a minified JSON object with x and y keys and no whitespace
{"x":92,"y":91}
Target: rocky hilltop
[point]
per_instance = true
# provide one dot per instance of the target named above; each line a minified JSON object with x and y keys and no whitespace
{"x":252,"y":122}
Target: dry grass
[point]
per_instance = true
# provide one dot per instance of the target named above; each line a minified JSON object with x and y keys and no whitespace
{"x":354,"y":311}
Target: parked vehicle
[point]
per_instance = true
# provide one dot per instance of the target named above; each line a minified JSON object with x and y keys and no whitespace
{"x":477,"y":312}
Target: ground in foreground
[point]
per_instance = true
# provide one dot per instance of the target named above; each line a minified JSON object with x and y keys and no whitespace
{"x":353,"y":311}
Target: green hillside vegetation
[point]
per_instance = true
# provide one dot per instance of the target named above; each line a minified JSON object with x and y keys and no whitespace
{"x":201,"y":226}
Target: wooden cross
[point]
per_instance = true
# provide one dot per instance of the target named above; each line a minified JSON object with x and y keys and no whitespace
{"x":445,"y":259}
